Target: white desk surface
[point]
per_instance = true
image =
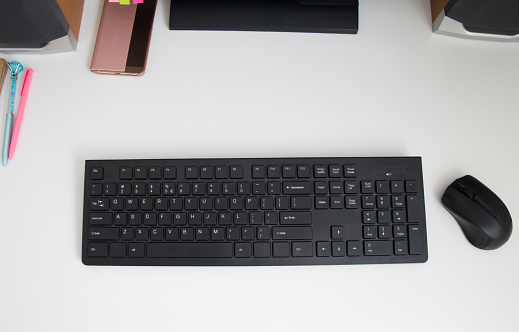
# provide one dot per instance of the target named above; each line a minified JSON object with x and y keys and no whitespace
{"x":393,"y":89}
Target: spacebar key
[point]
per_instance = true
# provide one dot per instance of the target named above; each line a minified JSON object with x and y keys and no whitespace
{"x":190,"y":250}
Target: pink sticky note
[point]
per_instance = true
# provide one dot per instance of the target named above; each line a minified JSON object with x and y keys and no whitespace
{"x":137,"y":1}
{"x":113,"y":0}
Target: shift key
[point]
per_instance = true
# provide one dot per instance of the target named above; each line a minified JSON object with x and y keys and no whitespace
{"x":292,"y":233}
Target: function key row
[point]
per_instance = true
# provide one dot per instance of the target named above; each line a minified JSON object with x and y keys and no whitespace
{"x":303,"y":171}
{"x":230,"y":172}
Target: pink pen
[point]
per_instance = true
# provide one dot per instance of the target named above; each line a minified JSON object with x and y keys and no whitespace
{"x":21,"y":108}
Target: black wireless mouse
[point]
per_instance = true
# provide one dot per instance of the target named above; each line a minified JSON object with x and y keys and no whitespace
{"x":483,"y":217}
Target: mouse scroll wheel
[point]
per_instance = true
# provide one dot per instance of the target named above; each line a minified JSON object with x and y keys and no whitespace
{"x":465,"y":191}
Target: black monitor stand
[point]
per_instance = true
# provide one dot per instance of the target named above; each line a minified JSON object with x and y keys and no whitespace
{"x":325,"y":16}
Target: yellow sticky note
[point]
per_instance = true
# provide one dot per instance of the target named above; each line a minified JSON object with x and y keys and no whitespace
{"x":124,"y":2}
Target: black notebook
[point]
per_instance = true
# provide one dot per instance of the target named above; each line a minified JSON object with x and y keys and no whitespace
{"x":324,"y":16}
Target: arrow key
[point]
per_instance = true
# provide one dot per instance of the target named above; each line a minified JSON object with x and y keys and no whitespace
{"x":354,"y":248}
{"x":338,"y":249}
{"x":337,"y":232}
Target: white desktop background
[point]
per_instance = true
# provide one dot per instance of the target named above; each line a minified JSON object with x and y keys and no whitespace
{"x":394,"y":89}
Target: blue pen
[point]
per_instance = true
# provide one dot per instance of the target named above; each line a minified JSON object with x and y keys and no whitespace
{"x":16,"y":68}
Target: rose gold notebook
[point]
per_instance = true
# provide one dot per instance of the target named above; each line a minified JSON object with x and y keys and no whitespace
{"x":123,"y":38}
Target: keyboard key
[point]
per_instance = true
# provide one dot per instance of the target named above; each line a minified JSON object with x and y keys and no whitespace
{"x":157,"y":234}
{"x":399,"y":231}
{"x":413,"y":209}
{"x":100,"y":219}
{"x":141,"y":234}
{"x":187,"y":234}
{"x":141,"y":173}
{"x":120,"y":218}
{"x":262,"y":249}
{"x":303,"y":171}
{"x":321,"y":187}
{"x":256,"y":218}
{"x":96,"y":173}
{"x":247,"y":233}
{"x":206,"y":172}
{"x":155,"y":173}
{"x":118,"y":250}
{"x":99,"y":204}
{"x":233,"y":234}
{"x":335,"y":171}
{"x":202,"y":234}
{"x":302,"y":249}
{"x":336,"y":202}
{"x":263,"y":233}
{"x":350,"y":171}
{"x":136,"y":250}
{"x":368,"y":217}
{"x":259,"y":188}
{"x":397,"y":202}
{"x":378,"y":248}
{"x":236,"y":172}
{"x":191,"y":172}
{"x":411,"y":186}
{"x":273,"y":172}
{"x":221,"y":172}
{"x":190,"y":250}
{"x":338,"y":249}
{"x":301,"y":203}
{"x":295,"y":218}
{"x":397,"y":187}
{"x":384,"y":217}
{"x":281,"y":249}
{"x":271,"y":218}
{"x":382,"y":187}
{"x":110,"y":189}
{"x":244,"y":188}
{"x":243,"y":250}
{"x":320,"y":171}
{"x":354,"y":248}
{"x":289,"y":172}
{"x":370,"y":232}
{"x":350,"y":187}
{"x":125,"y":173}
{"x":258,"y":172}
{"x":267,"y":203}
{"x":96,"y":189}
{"x":400,"y":247}
{"x":217,"y":234}
{"x":384,"y":232}
{"x":292,"y":233}
{"x":105,"y":233}
{"x":322,"y":203}
{"x":367,"y":187}
{"x":296,"y":188}
{"x":274,"y":188}
{"x":323,"y":249}
{"x":351,"y":202}
{"x":172,"y":234}
{"x":98,"y":249}
{"x":170,"y":172}
{"x":337,"y":232}
{"x":241,"y":218}
{"x":415,"y":240}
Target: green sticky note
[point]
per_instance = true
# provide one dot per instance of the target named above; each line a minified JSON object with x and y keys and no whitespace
{"x":124,"y":2}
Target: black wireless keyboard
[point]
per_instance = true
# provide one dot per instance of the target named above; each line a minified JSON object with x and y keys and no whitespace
{"x":285,"y":211}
